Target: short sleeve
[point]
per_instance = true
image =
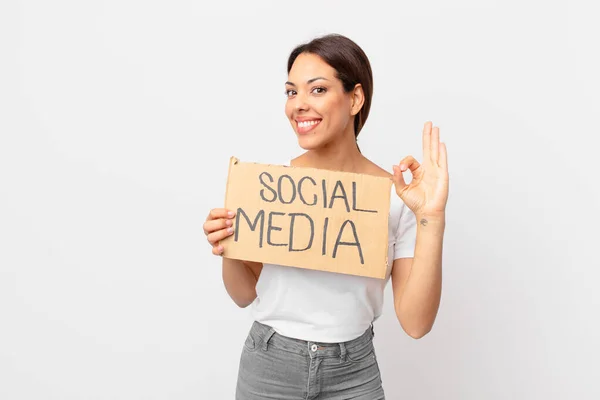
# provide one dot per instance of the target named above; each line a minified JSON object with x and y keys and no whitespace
{"x":406,"y":234}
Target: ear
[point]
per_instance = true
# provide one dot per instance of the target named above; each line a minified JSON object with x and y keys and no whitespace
{"x":358,"y":99}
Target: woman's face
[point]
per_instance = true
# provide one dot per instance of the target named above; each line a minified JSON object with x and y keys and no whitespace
{"x":317,"y":107}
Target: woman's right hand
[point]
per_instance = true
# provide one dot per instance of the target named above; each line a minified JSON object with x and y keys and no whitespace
{"x":218,"y":226}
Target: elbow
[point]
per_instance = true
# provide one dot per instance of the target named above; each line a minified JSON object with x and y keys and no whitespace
{"x":417,"y":334}
{"x":415,"y":331}
{"x":243,"y":302}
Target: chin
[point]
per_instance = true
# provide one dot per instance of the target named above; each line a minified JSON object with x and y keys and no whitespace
{"x":310,"y":142}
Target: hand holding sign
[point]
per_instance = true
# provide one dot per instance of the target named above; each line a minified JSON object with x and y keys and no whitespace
{"x":218,"y":226}
{"x":427,"y":193}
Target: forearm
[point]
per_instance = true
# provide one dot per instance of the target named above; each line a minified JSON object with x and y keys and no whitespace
{"x":240,"y":281}
{"x":419,"y":304}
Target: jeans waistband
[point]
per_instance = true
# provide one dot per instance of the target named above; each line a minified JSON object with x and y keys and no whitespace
{"x":265,"y":336}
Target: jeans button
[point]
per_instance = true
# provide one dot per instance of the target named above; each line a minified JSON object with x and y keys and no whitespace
{"x":313,"y":347}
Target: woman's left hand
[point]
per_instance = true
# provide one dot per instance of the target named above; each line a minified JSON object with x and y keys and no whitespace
{"x":427,"y":193}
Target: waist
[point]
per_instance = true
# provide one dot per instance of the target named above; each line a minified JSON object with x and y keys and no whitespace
{"x":265,"y":335}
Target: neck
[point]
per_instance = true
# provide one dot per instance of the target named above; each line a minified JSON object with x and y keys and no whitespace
{"x":342,"y":155}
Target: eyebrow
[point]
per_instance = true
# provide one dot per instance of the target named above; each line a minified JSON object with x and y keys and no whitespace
{"x":308,"y":81}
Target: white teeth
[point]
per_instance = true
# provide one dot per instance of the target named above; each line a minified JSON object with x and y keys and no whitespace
{"x":305,"y":124}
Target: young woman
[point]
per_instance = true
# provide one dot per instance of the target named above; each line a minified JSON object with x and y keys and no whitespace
{"x":312,"y":336}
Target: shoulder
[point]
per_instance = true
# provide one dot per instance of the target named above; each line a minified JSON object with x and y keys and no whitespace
{"x":299,"y":161}
{"x":399,"y":211}
{"x":371,"y":168}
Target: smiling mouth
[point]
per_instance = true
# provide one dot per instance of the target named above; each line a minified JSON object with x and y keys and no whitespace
{"x":307,"y":126}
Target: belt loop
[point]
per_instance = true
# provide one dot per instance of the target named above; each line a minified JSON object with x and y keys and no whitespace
{"x":267,"y":338}
{"x":372,"y":330}
{"x":342,"y":352}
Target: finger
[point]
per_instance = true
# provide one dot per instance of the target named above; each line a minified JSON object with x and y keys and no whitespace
{"x":427,"y":141}
{"x":435,"y":143}
{"x":398,"y":179}
{"x":409,"y":162}
{"x":443,"y":156}
{"x":216,"y":224}
{"x":217,"y":250}
{"x":220,"y":213}
{"x":215,"y":237}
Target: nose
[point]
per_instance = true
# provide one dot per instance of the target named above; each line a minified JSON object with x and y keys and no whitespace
{"x":300,"y":103}
{"x":300,"y":107}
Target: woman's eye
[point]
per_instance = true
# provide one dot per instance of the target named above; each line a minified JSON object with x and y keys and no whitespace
{"x":319,"y":90}
{"x":290,"y":93}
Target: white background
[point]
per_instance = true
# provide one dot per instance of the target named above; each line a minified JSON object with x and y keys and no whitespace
{"x":117,"y":120}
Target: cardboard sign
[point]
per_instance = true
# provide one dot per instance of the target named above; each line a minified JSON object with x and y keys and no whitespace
{"x":308,"y":218}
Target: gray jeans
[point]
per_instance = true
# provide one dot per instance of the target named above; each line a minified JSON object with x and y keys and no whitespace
{"x":273,"y":366}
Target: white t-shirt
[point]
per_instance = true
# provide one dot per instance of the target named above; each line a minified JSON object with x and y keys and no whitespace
{"x":325,"y":306}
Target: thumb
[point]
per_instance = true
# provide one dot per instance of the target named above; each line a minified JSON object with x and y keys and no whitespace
{"x":398,"y":179}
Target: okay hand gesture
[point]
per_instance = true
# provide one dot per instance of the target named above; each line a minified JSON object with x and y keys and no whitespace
{"x":427,"y":193}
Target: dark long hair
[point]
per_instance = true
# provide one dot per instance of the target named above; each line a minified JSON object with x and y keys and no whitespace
{"x":349,"y":61}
